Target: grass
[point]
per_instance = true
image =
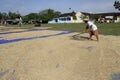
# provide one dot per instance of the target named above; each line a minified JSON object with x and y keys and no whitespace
{"x":109,"y":29}
{"x":9,"y":27}
{"x":104,"y":28}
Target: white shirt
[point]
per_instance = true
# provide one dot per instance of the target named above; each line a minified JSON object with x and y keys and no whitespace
{"x":93,"y":26}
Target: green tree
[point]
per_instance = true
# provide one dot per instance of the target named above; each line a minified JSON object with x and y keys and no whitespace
{"x":25,"y":19}
{"x":49,"y":14}
{"x":13,"y":15}
{"x":74,"y":16}
{"x":44,"y":15}
{"x":0,"y":15}
{"x":32,"y":16}
{"x":4,"y":15}
{"x":117,"y":5}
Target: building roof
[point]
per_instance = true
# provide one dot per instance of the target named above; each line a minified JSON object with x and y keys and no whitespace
{"x":105,"y":14}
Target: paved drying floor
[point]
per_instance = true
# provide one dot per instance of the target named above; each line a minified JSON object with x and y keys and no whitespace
{"x":42,"y":54}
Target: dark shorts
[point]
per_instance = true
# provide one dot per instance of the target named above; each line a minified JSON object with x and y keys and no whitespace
{"x":92,"y":32}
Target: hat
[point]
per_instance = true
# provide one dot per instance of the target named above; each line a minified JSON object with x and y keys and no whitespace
{"x":86,"y":19}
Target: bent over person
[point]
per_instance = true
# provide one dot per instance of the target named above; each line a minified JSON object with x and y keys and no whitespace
{"x":93,"y":30}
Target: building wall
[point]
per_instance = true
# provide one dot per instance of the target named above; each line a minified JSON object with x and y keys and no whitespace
{"x":81,"y":15}
{"x":79,"y":19}
{"x":118,"y":19}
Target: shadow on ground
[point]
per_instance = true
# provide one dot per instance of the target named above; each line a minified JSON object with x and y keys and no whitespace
{"x":116,"y":76}
{"x":79,"y":37}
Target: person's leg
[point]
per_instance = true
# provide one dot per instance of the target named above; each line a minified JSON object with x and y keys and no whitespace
{"x":96,"y":34}
{"x":90,"y":35}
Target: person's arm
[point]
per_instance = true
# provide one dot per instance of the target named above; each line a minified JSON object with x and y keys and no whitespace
{"x":86,"y":29}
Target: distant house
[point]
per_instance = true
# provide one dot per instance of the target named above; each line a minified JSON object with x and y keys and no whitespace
{"x":68,"y":18}
{"x":104,"y":17}
{"x":79,"y":16}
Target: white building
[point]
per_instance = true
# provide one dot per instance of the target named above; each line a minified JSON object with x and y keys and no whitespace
{"x":79,"y":16}
{"x":69,"y":18}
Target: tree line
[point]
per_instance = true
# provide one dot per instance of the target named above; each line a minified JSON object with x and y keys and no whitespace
{"x":44,"y":16}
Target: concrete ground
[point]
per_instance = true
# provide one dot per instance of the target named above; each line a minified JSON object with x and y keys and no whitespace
{"x":42,"y":54}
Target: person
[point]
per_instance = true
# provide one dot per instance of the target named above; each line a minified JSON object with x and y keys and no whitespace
{"x":92,"y":29}
{"x":20,"y":21}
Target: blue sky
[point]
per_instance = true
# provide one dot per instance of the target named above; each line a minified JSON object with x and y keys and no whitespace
{"x":28,"y":6}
